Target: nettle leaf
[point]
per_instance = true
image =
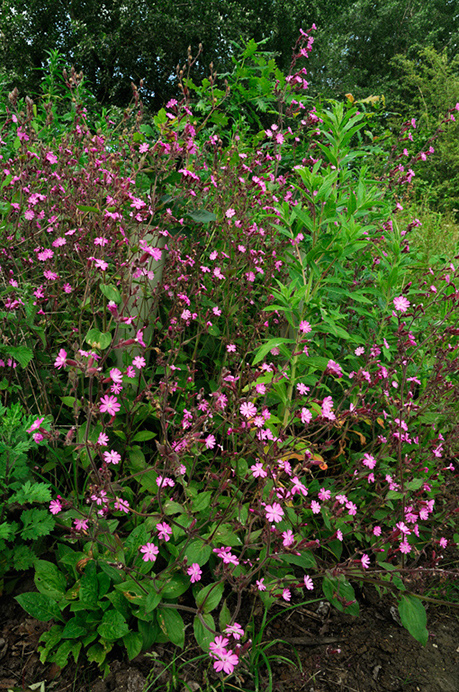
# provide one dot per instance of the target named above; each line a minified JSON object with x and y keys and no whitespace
{"x":172,"y":625}
{"x":23,"y":557}
{"x":39,"y":606}
{"x":414,"y":617}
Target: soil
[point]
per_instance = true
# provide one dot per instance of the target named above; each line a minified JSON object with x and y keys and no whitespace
{"x":334,"y":652}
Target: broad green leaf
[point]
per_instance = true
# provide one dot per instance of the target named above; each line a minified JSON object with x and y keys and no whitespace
{"x":39,"y":606}
{"x":202,"y":634}
{"x":49,"y":580}
{"x":85,"y":207}
{"x":201,"y":501}
{"x":98,"y":339}
{"x":414,"y":618}
{"x":198,"y":552}
{"x":143,"y":436}
{"x":334,"y":587}
{"x":133,"y":643}
{"x":209,"y":597}
{"x":202,"y":216}
{"x":172,"y":625}
{"x":113,"y":626}
{"x":306,"y":560}
{"x":268,"y":346}
{"x":111,"y":292}
{"x":74,"y":629}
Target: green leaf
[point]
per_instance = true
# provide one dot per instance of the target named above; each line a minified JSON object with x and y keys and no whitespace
{"x":198,"y":552}
{"x":202,"y":216}
{"x":133,"y":643}
{"x":113,"y":626}
{"x":74,"y":629}
{"x":306,"y":560}
{"x":68,"y":400}
{"x":37,"y":522}
{"x":152,"y":601}
{"x":202,"y":634}
{"x":209,"y":597}
{"x":22,"y":354}
{"x":201,"y":501}
{"x":334,"y":587}
{"x":225,"y":616}
{"x":266,"y":348}
{"x":61,"y":656}
{"x":143,"y":436}
{"x":414,"y":618}
{"x":173,"y":587}
{"x":49,"y":580}
{"x":172,"y":625}
{"x":85,"y":207}
{"x":98,"y":339}
{"x":39,"y":606}
{"x":111,"y":292}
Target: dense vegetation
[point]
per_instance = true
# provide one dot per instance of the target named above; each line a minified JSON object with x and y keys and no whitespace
{"x":226,"y":375}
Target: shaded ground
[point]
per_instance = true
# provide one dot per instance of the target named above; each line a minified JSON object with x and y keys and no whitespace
{"x":334,"y":652}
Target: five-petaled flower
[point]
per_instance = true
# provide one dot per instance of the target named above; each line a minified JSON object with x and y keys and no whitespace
{"x":110,"y":405}
{"x":274,"y":512}
{"x":150,"y":552}
{"x":401,"y":303}
{"x":61,"y":360}
{"x":194,"y":572}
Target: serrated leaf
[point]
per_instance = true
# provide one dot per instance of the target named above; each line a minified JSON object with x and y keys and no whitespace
{"x":39,"y":606}
{"x":414,"y":618}
{"x":21,"y":354}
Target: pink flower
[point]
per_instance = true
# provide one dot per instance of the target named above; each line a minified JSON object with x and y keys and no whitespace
{"x":334,"y":368}
{"x":150,"y":552}
{"x":274,"y":512}
{"x":286,"y":594}
{"x":164,"y":531}
{"x":102,"y":440}
{"x":324,"y":494}
{"x":405,"y":547}
{"x":55,"y":507}
{"x":231,"y":348}
{"x":112,"y":457}
{"x":315,"y":507}
{"x":35,"y":425}
{"x":302,"y":389}
{"x":226,"y":662}
{"x":365,"y":560}
{"x":121,"y":505}
{"x":226,"y":555}
{"x":235,"y":630}
{"x":230,"y":213}
{"x":309,"y":584}
{"x":116,"y":376}
{"x":377,"y":531}
{"x":260,"y":584}
{"x":80,"y":524}
{"x":139,"y":362}
{"x":38,"y":437}
{"x":217,"y":647}
{"x":401,"y":303}
{"x":247,"y":409}
{"x":110,"y":405}
{"x":304,"y":327}
{"x":369,"y":461}
{"x":194,"y":572}
{"x":288,"y":537}
{"x":298,"y":487}
{"x":258,"y":470}
{"x":210,"y":442}
{"x":306,"y":416}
